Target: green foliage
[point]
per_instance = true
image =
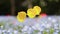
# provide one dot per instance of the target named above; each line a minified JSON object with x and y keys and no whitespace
{"x":35,"y":31}
{"x":51,"y":31}
{"x":45,"y":32}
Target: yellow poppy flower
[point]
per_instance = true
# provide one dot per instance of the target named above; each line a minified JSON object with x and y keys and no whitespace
{"x":37,"y":9}
{"x":21,"y":16}
{"x":31,"y":13}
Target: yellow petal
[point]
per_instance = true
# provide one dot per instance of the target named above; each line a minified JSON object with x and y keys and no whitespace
{"x":31,"y":13}
{"x":21,"y":16}
{"x":37,"y":9}
{"x":20,"y":20}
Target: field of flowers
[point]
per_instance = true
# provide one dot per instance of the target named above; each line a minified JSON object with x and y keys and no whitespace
{"x":46,"y":25}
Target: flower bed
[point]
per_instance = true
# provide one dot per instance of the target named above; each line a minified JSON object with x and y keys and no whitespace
{"x":46,"y":25}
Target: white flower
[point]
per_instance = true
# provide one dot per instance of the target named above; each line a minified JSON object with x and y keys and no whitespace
{"x":0,"y":31}
{"x":39,"y":32}
{"x":54,"y":20}
{"x":57,"y":30}
{"x":15,"y":32}
{"x":48,"y":25}
{"x":56,"y":24}
{"x":30,"y":29}
{"x":25,"y":28}
{"x":43,"y":24}
{"x":49,"y":18}
{"x":55,"y":33}
{"x":34,"y":27}
{"x":8,"y":31}
{"x":40,"y":29}
{"x":3,"y":30}
{"x":37,"y":25}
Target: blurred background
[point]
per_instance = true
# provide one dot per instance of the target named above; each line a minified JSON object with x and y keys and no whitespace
{"x":12,"y":7}
{"x":46,"y":25}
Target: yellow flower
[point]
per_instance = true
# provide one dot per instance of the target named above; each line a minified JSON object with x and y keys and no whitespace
{"x":21,"y":16}
{"x":37,"y":9}
{"x":31,"y":13}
